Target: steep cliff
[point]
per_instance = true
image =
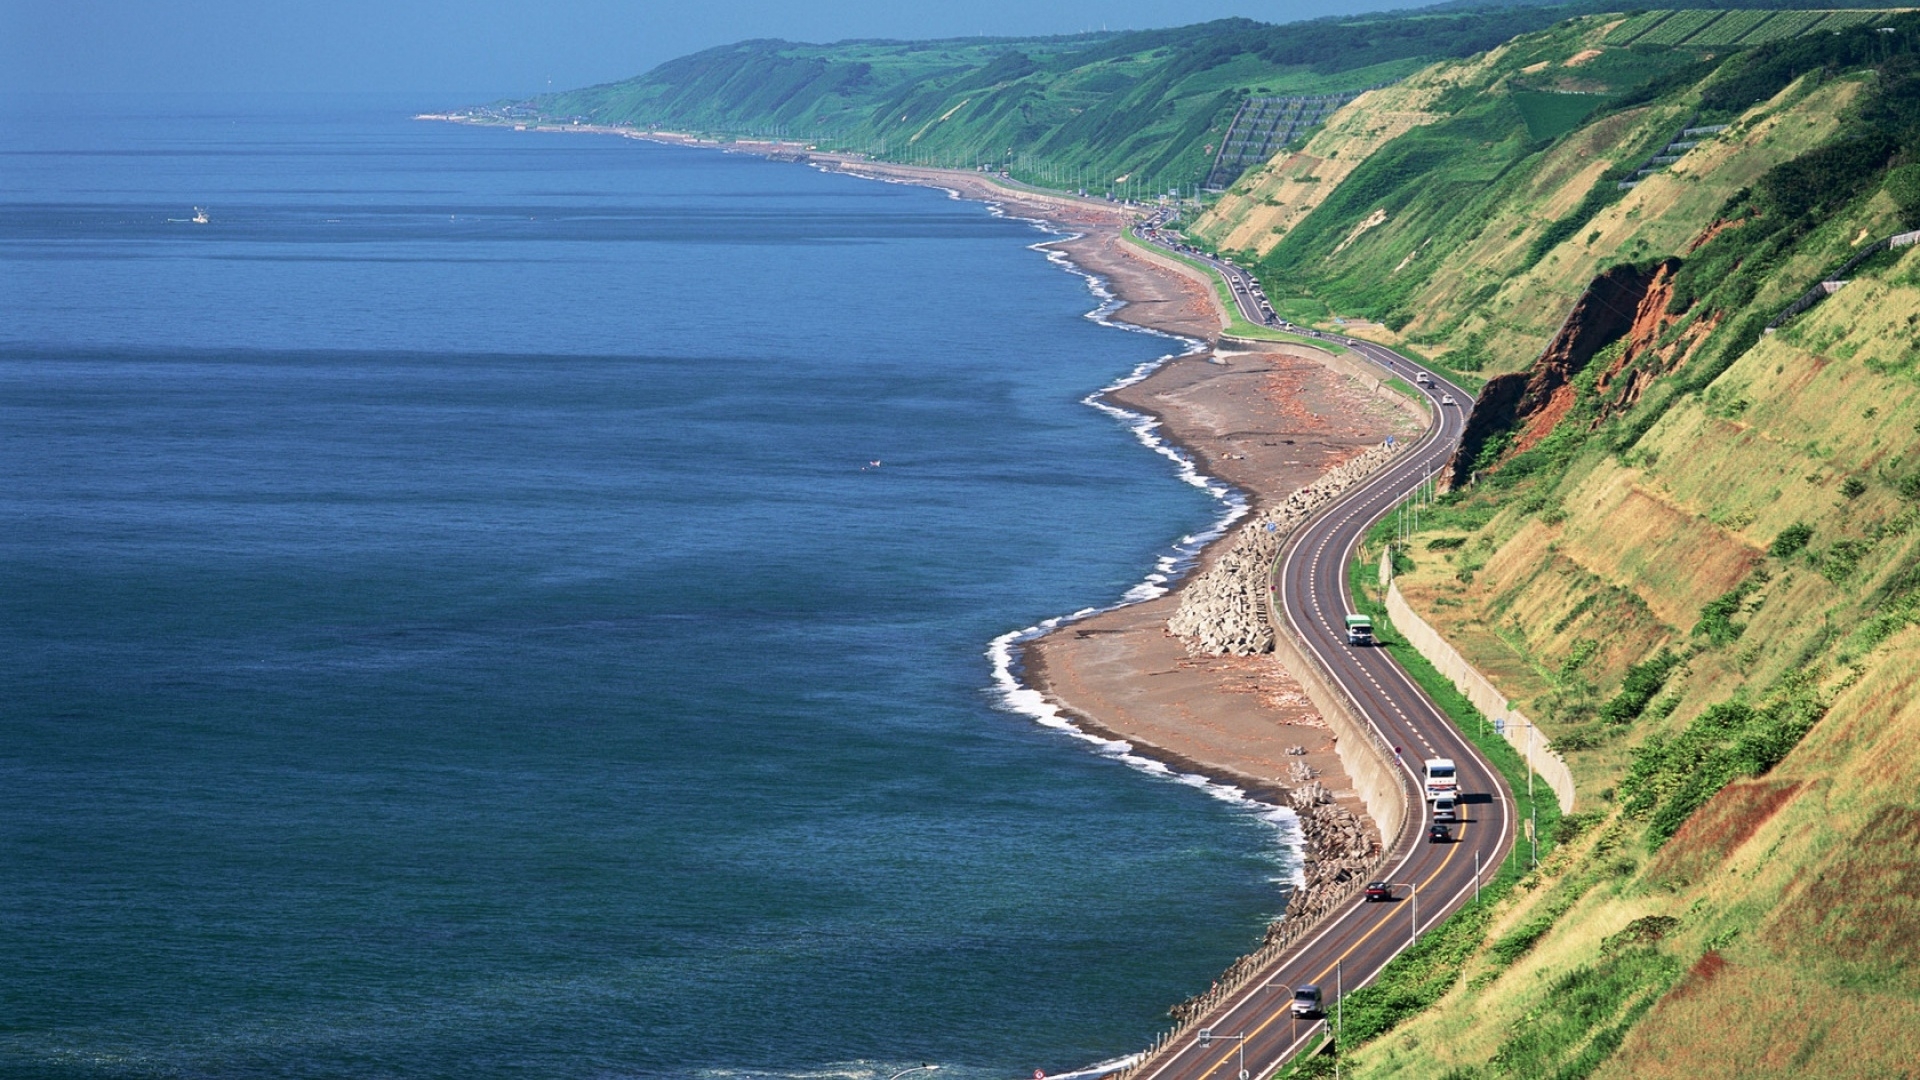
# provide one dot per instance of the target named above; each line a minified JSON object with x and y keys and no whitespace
{"x":1684,"y":536}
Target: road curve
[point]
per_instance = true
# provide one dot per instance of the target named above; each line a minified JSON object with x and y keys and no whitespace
{"x":1253,"y":1031}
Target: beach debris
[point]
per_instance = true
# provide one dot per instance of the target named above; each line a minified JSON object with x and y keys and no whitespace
{"x":1223,"y":612}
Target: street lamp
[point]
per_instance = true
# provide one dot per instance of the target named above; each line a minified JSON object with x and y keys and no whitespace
{"x":1205,"y":1037}
{"x":915,"y":1069}
{"x":1413,"y":931}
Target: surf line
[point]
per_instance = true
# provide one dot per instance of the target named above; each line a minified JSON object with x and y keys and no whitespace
{"x":1003,"y":652}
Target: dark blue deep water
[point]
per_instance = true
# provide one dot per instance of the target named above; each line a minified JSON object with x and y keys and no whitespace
{"x":446,"y":628}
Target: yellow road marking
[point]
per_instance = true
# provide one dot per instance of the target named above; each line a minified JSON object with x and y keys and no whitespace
{"x":1363,"y":939}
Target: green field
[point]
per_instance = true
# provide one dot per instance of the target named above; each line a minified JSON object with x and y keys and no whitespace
{"x":1132,"y":114}
{"x":1550,"y":115}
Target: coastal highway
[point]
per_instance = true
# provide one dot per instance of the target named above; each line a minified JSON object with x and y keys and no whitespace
{"x":1253,"y":1031}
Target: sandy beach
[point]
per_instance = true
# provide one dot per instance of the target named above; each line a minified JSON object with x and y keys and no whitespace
{"x":1269,"y":422}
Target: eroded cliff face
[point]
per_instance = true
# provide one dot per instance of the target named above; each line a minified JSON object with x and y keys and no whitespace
{"x":1626,"y":302}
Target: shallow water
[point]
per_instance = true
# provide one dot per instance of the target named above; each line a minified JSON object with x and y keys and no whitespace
{"x":450,"y":624}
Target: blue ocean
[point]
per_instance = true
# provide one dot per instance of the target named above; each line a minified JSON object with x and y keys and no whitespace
{"x":492,"y":604}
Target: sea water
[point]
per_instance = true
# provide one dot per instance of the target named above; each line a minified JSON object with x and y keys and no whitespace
{"x":493,"y":604}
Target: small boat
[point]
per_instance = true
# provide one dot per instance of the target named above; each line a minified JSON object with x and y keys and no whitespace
{"x":200,"y":216}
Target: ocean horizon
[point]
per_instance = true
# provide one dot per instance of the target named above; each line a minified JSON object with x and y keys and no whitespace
{"x":495,"y":604}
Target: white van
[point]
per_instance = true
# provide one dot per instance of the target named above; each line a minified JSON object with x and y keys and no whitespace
{"x":1443,"y":809}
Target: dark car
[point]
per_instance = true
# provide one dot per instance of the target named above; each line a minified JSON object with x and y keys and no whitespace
{"x":1379,"y":890}
{"x":1439,"y":834}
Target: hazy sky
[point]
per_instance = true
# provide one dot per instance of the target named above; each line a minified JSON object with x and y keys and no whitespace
{"x":496,"y":47}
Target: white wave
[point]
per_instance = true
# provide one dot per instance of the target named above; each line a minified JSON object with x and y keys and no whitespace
{"x":1104,"y":1068}
{"x":1169,"y":567}
{"x":1003,"y":651}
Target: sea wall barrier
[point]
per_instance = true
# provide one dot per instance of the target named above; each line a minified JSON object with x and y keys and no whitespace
{"x":1340,"y":855}
{"x":1513,"y":725}
{"x":1229,"y":609}
{"x":1223,"y":612}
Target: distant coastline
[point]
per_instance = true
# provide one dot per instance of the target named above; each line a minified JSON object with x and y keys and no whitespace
{"x":1251,"y":426}
{"x":1263,"y":423}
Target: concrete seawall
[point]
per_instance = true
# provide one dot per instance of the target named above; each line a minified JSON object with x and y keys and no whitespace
{"x":1381,"y":785}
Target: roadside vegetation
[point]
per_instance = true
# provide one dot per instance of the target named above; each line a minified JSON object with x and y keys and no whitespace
{"x":1684,"y":531}
{"x":1691,"y":553}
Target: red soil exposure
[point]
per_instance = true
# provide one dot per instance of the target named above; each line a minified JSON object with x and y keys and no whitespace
{"x":1701,"y":974}
{"x":1624,"y":303}
{"x":1532,"y":402}
{"x":1650,"y":321}
{"x":1858,"y":905}
{"x":1717,"y":830}
{"x":1713,"y":230}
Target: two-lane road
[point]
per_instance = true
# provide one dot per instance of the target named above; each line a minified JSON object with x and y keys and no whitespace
{"x":1254,"y":1030}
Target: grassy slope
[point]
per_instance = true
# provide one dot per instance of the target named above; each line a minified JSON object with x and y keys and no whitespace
{"x":1147,"y":106}
{"x":1805,"y":878}
{"x":1776,"y":932}
{"x":1433,"y":206}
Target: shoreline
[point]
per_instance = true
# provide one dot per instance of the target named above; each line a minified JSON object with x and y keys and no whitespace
{"x":1251,"y":423}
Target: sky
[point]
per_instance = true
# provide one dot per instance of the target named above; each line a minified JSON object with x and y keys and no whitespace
{"x":498,"y":48}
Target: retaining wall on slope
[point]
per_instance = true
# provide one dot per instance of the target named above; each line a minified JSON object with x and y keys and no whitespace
{"x":1518,"y":729}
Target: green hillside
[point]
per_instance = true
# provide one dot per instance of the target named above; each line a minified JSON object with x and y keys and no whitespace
{"x":1451,"y":230}
{"x":1685,"y":530}
{"x":1128,"y":113}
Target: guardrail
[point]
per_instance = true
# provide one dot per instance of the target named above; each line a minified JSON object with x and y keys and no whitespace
{"x":1830,"y":283}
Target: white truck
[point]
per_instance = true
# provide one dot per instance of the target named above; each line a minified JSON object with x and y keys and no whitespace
{"x":1359,"y":630}
{"x":1440,"y":779}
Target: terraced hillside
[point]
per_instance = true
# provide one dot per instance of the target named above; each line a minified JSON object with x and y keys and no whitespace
{"x":1466,"y":207}
{"x":1688,"y":545}
{"x":1127,"y":113}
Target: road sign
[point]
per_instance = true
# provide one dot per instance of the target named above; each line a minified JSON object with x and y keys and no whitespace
{"x":1039,"y":1074}
{"x":1499,"y":725}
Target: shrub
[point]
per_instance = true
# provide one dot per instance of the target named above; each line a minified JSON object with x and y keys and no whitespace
{"x":1643,"y":681}
{"x":1853,"y":487}
{"x":1670,"y":778}
{"x":1842,"y":558}
{"x":1716,"y":619}
{"x":1791,"y":540}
